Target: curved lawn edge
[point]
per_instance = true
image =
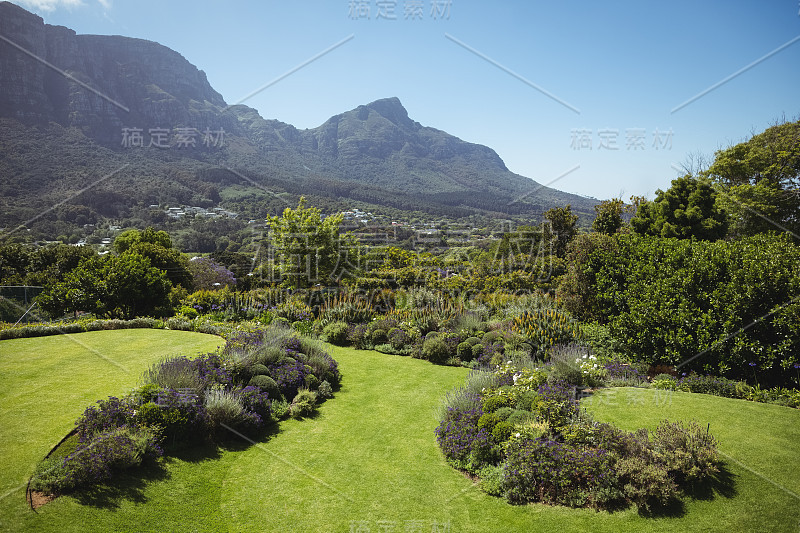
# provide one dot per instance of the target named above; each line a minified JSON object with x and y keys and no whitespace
{"x":374,"y":444}
{"x":48,"y":383}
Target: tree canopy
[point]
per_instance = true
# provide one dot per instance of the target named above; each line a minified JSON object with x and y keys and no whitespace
{"x":760,"y":180}
{"x":309,"y":250}
{"x":689,"y":208}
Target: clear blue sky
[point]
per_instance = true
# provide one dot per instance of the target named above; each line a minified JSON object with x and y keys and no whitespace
{"x":625,"y":66}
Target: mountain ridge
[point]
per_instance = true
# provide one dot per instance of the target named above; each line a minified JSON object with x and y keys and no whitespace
{"x":90,"y":89}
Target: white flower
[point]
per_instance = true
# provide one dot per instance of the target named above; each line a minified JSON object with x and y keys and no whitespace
{"x":516,"y":434}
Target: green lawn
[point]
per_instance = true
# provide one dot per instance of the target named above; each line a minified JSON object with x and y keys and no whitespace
{"x":47,"y":382}
{"x":369,"y":462}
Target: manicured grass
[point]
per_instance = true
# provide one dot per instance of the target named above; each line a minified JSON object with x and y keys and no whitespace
{"x":370,"y":459}
{"x":47,"y":383}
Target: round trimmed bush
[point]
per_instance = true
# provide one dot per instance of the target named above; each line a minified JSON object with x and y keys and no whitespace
{"x":266,"y":384}
{"x":336,"y":333}
{"x":259,"y":370}
{"x":502,"y":431}
{"x":503,"y":413}
{"x":464,"y":351}
{"x":472,"y":341}
{"x":488,"y":421}
{"x":378,"y":336}
{"x":311,"y":381}
{"x":398,"y":338}
{"x":435,"y":350}
{"x":477,"y":351}
{"x":491,"y":336}
{"x":493,"y":403}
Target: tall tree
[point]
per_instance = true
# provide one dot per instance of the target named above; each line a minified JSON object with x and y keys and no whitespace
{"x":157,"y":247}
{"x":608,"y":217}
{"x":123,"y":286}
{"x":689,"y":208}
{"x":760,"y":181}
{"x":309,"y":250}
{"x":562,"y":225}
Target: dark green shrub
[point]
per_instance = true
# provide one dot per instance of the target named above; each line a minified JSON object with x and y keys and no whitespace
{"x":527,"y":400}
{"x":358,"y":335}
{"x":493,"y":403}
{"x":304,"y":404}
{"x":435,"y":350}
{"x":312,"y":382}
{"x":266,"y":384}
{"x":378,"y":336}
{"x":259,"y":370}
{"x":472,"y":341}
{"x":709,"y":385}
{"x":503,"y":413}
{"x":491,"y":336}
{"x":667,"y":299}
{"x":336,"y":333}
{"x":477,"y":351}
{"x":464,"y":351}
{"x":398,"y":338}
{"x":488,"y":421}
{"x":502,"y":431}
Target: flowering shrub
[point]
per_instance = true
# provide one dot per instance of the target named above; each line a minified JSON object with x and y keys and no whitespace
{"x":708,"y":385}
{"x":532,"y":430}
{"x":189,"y":400}
{"x":460,"y":438}
{"x":553,"y":472}
{"x":109,"y":414}
{"x":290,"y":376}
{"x":95,"y":460}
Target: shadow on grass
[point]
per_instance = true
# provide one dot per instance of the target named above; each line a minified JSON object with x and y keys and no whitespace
{"x":130,"y":485}
{"x":721,"y":484}
{"x":127,"y":486}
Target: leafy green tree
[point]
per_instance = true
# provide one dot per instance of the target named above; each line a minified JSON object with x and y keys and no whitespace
{"x":710,"y":306}
{"x":689,"y":208}
{"x":310,"y":250}
{"x":150,"y":235}
{"x":608,"y":219}
{"x":123,"y":286}
{"x":563,"y":227}
{"x":157,"y":247}
{"x":760,"y":181}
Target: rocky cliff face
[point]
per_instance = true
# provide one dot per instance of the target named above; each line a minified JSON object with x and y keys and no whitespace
{"x":98,"y":83}
{"x":62,"y":95}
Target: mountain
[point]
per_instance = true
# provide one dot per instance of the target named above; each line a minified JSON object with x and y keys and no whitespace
{"x":133,"y":123}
